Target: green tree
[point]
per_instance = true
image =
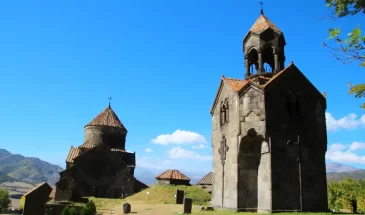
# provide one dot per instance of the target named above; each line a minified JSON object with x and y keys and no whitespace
{"x":66,"y":211}
{"x":350,"y":48}
{"x":334,"y":193}
{"x":72,"y":211}
{"x":4,"y":198}
{"x":88,"y":209}
{"x":350,"y":191}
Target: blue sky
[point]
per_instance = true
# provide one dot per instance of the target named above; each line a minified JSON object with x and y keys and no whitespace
{"x":161,"y":61}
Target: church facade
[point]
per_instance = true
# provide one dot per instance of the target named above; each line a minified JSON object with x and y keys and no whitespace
{"x":269,"y":135}
{"x":101,"y":166}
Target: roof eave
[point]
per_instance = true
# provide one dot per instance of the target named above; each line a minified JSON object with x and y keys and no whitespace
{"x":212,"y":109}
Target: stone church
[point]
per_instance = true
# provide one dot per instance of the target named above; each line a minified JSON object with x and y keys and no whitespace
{"x":101,"y":166}
{"x":269,"y":133}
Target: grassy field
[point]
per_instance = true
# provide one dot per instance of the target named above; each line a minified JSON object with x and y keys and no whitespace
{"x":160,"y":201}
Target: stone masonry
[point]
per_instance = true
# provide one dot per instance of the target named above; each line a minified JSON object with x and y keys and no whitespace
{"x":269,"y":135}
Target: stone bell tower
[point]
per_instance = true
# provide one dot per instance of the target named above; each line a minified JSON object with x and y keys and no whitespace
{"x":269,"y":135}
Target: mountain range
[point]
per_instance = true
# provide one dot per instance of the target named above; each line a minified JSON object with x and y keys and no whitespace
{"x":15,"y":167}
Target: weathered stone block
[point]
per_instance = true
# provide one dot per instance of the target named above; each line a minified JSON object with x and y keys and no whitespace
{"x":127,"y":208}
{"x":180,"y":196}
{"x":188,"y":204}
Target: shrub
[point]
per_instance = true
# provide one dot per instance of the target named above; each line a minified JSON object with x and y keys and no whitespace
{"x":65,"y":211}
{"x":88,"y":209}
{"x":72,"y":211}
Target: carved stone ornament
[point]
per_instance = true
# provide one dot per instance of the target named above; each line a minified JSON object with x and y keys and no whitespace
{"x":223,"y":149}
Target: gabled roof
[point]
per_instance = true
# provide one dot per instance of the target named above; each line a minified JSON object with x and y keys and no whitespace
{"x":74,"y":152}
{"x":207,"y":179}
{"x":36,"y":188}
{"x":86,"y":145}
{"x":107,"y":118}
{"x":53,"y":193}
{"x":172,"y":174}
{"x":237,"y":85}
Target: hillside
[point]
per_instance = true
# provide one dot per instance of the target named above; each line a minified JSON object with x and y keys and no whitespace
{"x":336,"y":167}
{"x":27,"y":169}
{"x":338,"y":176}
{"x":5,"y":178}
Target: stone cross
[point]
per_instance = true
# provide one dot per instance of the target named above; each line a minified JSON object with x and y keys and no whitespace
{"x":110,"y":98}
{"x":223,"y":149}
{"x":262,"y":7}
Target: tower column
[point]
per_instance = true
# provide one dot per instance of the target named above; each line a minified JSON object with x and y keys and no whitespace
{"x":276,"y":60}
{"x":247,"y":66}
{"x":261,"y":64}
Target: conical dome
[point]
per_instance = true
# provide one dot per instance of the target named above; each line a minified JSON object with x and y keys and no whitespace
{"x":107,"y":118}
{"x":106,"y":128}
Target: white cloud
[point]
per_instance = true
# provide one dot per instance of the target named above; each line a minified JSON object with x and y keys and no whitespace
{"x":148,"y":150}
{"x":155,"y":163}
{"x":180,"y":153}
{"x":201,"y":146}
{"x":179,"y":137}
{"x":337,"y":147}
{"x":348,"y":122}
{"x":346,"y":153}
{"x":356,"y":146}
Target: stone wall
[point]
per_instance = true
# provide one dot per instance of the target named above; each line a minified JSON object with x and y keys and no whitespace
{"x":296,"y":108}
{"x":254,"y":174}
{"x":111,"y":136}
{"x":172,"y":182}
{"x":230,"y":129}
{"x":35,"y":201}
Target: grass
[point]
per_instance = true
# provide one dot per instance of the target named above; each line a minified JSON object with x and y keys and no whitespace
{"x":161,"y":201}
{"x":166,"y":195}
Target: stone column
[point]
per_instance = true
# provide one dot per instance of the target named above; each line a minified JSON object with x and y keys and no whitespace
{"x":247,"y":66}
{"x":261,"y":64}
{"x":276,"y":60}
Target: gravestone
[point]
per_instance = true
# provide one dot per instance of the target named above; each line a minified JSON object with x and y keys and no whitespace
{"x":188,"y":204}
{"x":179,"y":196}
{"x":126,"y":208}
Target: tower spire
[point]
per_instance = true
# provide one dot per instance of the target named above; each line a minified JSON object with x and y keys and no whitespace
{"x":110,"y":98}
{"x":261,"y":7}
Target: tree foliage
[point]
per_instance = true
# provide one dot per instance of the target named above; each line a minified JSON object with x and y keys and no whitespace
{"x":88,"y":209}
{"x":350,"y":48}
{"x":4,"y":198}
{"x":342,"y":194}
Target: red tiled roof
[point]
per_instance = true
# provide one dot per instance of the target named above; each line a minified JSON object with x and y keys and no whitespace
{"x":172,"y":174}
{"x":74,"y":152}
{"x":237,"y":84}
{"x":53,"y":193}
{"x":263,"y":23}
{"x":207,"y":179}
{"x":107,"y":118}
{"x":86,"y":145}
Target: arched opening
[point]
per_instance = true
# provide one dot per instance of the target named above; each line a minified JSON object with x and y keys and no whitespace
{"x":267,"y":67}
{"x":268,"y":59}
{"x":253,"y":61}
{"x":248,"y":166}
